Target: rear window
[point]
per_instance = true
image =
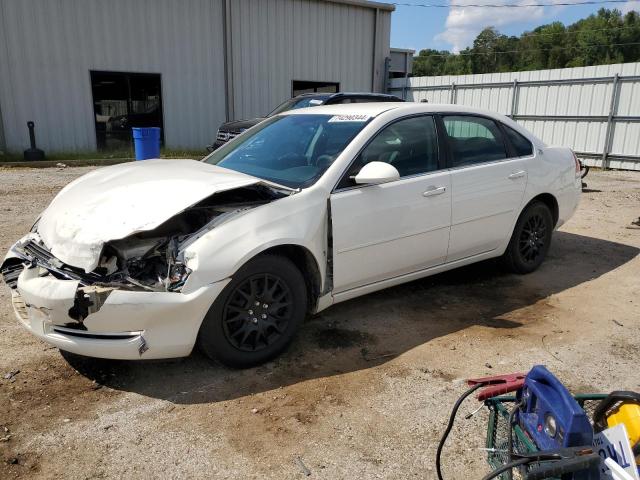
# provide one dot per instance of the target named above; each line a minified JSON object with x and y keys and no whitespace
{"x":473,"y":139}
{"x":520,"y":144}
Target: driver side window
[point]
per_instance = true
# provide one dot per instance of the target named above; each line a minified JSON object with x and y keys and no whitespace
{"x":410,"y":145}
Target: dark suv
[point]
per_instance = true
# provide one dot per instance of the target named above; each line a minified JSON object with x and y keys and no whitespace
{"x":230,"y":130}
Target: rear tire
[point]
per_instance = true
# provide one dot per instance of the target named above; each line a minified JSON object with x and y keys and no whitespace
{"x":530,"y":240}
{"x":257,"y":314}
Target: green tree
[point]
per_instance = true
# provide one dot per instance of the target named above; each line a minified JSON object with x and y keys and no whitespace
{"x":493,"y":52}
{"x":430,"y":62}
{"x":630,"y":34}
{"x":595,"y":39}
{"x":598,"y":39}
{"x":458,"y":64}
{"x":544,"y":47}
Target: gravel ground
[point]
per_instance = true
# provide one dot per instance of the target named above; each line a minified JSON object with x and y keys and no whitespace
{"x":364,"y":392}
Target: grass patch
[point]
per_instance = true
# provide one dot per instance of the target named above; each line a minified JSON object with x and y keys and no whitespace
{"x":101,"y":155}
{"x":192,"y":154}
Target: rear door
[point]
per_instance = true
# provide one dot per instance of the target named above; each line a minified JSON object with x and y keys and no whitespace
{"x":487,"y":182}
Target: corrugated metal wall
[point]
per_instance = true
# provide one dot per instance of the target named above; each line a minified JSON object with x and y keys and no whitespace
{"x":48,"y":47}
{"x":277,"y":41}
{"x":383,"y":50}
{"x":589,"y":99}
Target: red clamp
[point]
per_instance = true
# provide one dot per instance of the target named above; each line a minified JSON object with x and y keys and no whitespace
{"x":498,"y":384}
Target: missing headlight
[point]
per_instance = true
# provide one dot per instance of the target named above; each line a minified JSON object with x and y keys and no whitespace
{"x":178,"y":274}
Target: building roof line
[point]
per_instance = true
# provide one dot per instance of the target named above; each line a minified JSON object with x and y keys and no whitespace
{"x":366,"y":3}
{"x":402,"y":50}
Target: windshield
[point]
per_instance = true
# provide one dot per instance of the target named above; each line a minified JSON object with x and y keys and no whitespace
{"x":292,"y":150}
{"x":294,"y":103}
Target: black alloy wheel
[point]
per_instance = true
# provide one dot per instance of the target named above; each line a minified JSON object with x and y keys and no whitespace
{"x":530,"y":240}
{"x":257,"y":312}
{"x":257,"y":315}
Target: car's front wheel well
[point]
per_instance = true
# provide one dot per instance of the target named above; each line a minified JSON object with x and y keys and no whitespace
{"x":304,"y":260}
{"x":551,"y":203}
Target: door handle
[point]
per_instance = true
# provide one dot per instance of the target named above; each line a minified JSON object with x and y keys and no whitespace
{"x":434,"y":191}
{"x":515,"y":175}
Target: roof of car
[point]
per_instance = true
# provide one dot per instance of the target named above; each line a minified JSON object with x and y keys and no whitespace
{"x":373,"y":109}
{"x":312,"y":94}
{"x":344,"y":94}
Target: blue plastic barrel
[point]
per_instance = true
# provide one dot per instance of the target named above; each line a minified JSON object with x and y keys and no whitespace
{"x":146,"y":142}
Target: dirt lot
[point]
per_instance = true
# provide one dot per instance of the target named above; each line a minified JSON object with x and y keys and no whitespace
{"x":366,"y":389}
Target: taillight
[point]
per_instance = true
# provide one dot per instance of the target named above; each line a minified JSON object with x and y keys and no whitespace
{"x":578,"y":165}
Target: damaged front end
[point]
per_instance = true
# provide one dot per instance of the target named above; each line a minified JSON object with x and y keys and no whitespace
{"x":151,"y":261}
{"x":112,"y":268}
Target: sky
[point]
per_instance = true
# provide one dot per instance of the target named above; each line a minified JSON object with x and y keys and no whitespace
{"x":454,"y":29}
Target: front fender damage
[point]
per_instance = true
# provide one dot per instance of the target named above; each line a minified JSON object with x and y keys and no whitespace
{"x":151,"y":263}
{"x":44,"y":292}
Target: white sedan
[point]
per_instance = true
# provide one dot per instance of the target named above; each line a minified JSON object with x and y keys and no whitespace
{"x":308,"y":208}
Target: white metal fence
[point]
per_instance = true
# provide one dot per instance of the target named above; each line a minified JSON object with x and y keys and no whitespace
{"x":593,"y":110}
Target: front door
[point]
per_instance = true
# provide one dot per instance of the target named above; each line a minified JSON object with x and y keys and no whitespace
{"x":487,"y":183}
{"x":383,"y":231}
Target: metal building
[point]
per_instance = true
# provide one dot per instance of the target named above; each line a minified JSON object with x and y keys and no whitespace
{"x":85,"y":71}
{"x":401,"y":62}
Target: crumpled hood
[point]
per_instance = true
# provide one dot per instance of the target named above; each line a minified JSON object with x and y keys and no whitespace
{"x":114,"y":202}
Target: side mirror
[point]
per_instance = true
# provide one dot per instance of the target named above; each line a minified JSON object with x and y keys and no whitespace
{"x":376,"y":173}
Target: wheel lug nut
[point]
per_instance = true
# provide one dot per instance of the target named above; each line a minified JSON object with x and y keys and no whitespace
{"x":250,"y":312}
{"x":254,"y":320}
{"x":263,"y":316}
{"x":257,"y":304}
{"x":265,"y":305}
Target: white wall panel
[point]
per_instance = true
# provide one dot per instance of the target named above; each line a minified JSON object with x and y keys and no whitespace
{"x":629,"y":99}
{"x":586,"y":99}
{"x":496,"y":99}
{"x":626,"y":138}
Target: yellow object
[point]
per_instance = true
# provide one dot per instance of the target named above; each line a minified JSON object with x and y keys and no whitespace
{"x":629,"y":414}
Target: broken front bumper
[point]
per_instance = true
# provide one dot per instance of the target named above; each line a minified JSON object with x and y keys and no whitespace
{"x":129,"y":325}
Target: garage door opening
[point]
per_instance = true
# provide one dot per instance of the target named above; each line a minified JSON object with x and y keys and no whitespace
{"x":299,"y":87}
{"x":124,"y":100}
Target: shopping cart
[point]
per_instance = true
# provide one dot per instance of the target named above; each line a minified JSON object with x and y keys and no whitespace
{"x":502,"y":432}
{"x":545,"y":432}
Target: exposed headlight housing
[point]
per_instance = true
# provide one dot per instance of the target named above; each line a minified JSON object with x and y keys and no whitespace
{"x":178,"y":274}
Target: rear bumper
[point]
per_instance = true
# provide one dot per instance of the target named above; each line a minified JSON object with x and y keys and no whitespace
{"x":568,"y":201}
{"x":130,"y":325}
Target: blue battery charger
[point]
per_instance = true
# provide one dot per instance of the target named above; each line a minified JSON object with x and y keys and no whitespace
{"x":549,"y":413}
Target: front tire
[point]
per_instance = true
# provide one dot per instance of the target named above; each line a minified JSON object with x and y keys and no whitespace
{"x":257,"y":314}
{"x":530,"y":240}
